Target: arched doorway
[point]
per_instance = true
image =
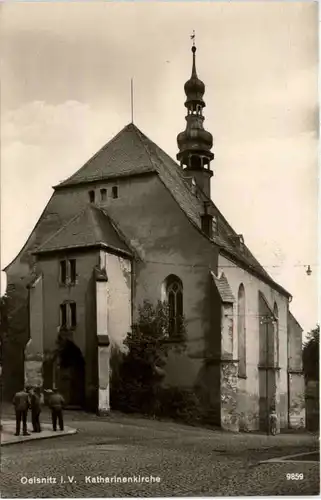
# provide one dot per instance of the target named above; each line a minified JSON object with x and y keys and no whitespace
{"x":69,"y":374}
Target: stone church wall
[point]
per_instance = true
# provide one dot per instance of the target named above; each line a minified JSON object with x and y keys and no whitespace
{"x":249,"y":388}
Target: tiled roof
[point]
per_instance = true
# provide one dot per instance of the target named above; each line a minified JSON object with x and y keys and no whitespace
{"x":223,"y":288}
{"x":130,"y":152}
{"x":90,"y":227}
{"x":122,"y":155}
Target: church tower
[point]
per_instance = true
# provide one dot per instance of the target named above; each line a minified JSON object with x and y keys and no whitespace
{"x":195,"y":143}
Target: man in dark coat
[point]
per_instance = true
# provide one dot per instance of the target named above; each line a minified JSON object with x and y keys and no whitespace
{"x":21,"y":403}
{"x":56,"y":403}
{"x":35,"y":400}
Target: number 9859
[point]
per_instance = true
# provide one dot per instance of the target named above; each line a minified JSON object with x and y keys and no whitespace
{"x":295,"y":476}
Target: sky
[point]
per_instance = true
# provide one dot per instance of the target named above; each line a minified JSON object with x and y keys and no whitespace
{"x":65,"y":91}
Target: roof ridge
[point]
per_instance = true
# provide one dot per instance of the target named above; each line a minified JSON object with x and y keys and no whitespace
{"x":139,"y":134}
{"x":64,"y":226}
{"x":118,"y":230}
{"x":94,"y":210}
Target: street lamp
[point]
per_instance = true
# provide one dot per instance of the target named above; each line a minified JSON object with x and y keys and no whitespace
{"x":309,"y":270}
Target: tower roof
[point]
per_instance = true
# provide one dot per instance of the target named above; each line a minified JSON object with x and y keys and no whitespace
{"x":194,"y":142}
{"x":194,"y":87}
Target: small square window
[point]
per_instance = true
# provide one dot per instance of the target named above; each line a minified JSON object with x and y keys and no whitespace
{"x":115,"y":191}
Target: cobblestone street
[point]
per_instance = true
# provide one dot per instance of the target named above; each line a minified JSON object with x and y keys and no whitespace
{"x":189,"y":461}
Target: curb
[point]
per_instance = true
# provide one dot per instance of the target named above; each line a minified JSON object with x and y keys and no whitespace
{"x":23,"y":439}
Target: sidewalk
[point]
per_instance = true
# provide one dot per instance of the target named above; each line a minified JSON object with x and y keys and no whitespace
{"x":9,"y":429}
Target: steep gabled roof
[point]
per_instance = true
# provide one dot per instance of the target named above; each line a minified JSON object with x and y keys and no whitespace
{"x":91,"y":227}
{"x":121,"y":156}
{"x":129,"y":153}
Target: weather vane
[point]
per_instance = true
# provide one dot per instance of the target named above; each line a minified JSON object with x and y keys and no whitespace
{"x":193,"y":38}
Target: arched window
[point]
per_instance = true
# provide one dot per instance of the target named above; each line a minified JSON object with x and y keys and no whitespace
{"x":174,"y":296}
{"x":241,"y":331}
{"x":276,"y":334}
{"x":91,"y":195}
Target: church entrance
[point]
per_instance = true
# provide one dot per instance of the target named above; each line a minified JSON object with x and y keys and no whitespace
{"x":70,"y":374}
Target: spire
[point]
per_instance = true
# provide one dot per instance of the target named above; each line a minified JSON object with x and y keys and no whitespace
{"x":195,"y":143}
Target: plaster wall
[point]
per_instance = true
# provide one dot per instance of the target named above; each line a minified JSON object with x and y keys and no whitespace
{"x":249,"y":387}
{"x":56,"y":293}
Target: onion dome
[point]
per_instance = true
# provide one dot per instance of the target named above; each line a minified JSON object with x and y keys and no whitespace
{"x":194,"y":138}
{"x":194,"y":87}
{"x":194,"y":143}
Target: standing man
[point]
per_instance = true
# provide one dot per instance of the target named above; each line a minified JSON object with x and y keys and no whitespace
{"x":21,"y":404}
{"x":36,"y":409}
{"x":56,"y":403}
{"x":273,"y":421}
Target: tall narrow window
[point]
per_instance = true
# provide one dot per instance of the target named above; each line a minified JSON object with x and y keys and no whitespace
{"x":174,"y":294}
{"x":103,"y":194}
{"x":63,"y":316}
{"x":241,"y":331}
{"x":91,"y":195}
{"x":276,"y":334}
{"x":63,"y":272}
{"x":68,"y":315}
{"x":72,"y":271}
{"x":115,"y":191}
{"x":73,"y":314}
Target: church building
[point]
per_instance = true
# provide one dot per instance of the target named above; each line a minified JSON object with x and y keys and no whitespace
{"x":132,"y":225}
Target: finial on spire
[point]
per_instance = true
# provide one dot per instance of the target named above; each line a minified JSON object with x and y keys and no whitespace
{"x":193,"y":38}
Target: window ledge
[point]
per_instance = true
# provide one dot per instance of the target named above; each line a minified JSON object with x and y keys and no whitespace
{"x":242,"y":376}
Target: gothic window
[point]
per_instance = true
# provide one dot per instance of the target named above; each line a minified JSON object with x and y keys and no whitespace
{"x":103,"y":194}
{"x":174,"y":295}
{"x":91,"y":195}
{"x":276,"y":333}
{"x":241,"y":331}
{"x":115,"y":191}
